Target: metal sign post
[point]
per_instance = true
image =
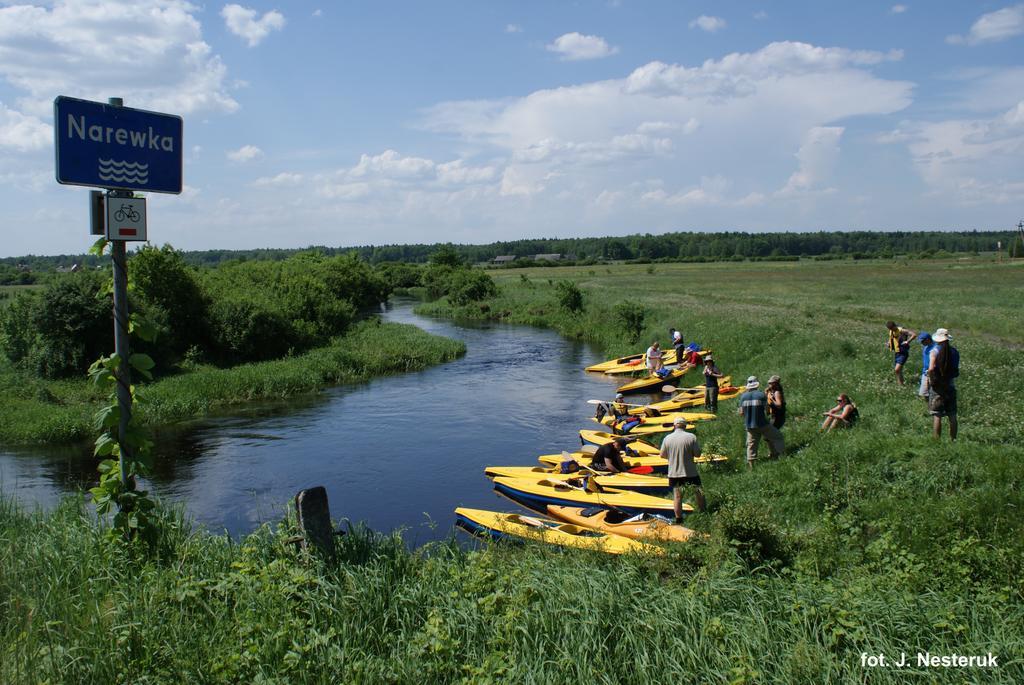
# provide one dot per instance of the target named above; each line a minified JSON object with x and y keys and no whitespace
{"x":122,"y":150}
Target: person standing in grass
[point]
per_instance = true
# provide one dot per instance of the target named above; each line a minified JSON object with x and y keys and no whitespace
{"x":653,"y":357}
{"x":677,"y":344}
{"x":680,"y":447}
{"x":776,"y":401}
{"x":943,"y":368}
{"x":752,"y":408}
{"x":899,"y":343}
{"x":711,"y":376}
{"x":927,"y":345}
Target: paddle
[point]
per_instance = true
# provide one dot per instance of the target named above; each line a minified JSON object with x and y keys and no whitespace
{"x":614,"y":402}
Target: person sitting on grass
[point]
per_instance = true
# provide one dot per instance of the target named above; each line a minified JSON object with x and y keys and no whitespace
{"x":844,"y":414}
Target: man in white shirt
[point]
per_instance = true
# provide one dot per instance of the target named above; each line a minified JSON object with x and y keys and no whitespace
{"x":679,"y":448}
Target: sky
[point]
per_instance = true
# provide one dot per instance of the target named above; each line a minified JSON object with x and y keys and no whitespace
{"x":382,"y":122}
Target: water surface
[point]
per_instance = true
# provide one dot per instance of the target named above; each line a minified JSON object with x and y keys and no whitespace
{"x":397,"y":452}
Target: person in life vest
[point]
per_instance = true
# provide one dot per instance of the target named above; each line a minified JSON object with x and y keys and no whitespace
{"x":844,"y":414}
{"x":943,"y":369}
{"x":776,"y":401}
{"x":899,"y":343}
{"x":711,"y":376}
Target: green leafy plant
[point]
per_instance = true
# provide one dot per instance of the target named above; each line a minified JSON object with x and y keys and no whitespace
{"x":570,"y":297}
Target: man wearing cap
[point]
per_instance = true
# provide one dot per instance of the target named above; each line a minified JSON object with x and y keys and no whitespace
{"x":752,"y":406}
{"x":619,"y":408}
{"x":680,"y":447}
{"x":711,"y":376}
{"x":927,"y":345}
{"x":943,"y":368}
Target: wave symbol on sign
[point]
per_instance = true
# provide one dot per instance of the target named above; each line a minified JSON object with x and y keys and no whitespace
{"x":123,"y":172}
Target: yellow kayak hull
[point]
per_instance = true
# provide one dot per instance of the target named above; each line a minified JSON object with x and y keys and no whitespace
{"x":642,"y":449}
{"x":629,"y":364}
{"x":685,"y":397}
{"x":655,"y":461}
{"x":646,"y":483}
{"x":497,"y":525}
{"x":667,"y":359}
{"x":538,"y":493}
{"x":654,"y":382}
{"x":603,"y":520}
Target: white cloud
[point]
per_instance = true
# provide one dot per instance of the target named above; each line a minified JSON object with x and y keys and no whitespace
{"x":23,"y":133}
{"x":513,"y":28}
{"x":246,"y":153}
{"x":575,"y":46}
{"x":709,"y":24}
{"x":760,"y":15}
{"x":993,"y":27}
{"x":898,"y":9}
{"x":243,"y":22}
{"x":969,"y":161}
{"x":284,"y":179}
{"x":318,"y":13}
{"x":753,"y":111}
{"x":818,"y":156}
{"x":156,"y":57}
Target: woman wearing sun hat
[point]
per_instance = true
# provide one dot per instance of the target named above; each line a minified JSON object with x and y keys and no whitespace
{"x":943,"y":368}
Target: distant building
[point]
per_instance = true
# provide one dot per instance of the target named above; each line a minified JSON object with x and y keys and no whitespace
{"x":504,"y":259}
{"x":557,"y":257}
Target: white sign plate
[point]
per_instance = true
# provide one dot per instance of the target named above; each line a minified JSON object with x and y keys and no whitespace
{"x":126,"y":218}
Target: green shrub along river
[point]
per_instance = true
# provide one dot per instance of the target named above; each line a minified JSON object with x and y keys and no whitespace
{"x":877,"y":540}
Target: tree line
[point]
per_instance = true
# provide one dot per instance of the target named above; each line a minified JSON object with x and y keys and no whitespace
{"x":686,"y":246}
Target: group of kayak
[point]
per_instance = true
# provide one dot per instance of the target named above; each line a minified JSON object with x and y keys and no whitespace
{"x":584,"y":506}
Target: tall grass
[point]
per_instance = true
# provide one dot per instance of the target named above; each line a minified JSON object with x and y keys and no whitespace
{"x":60,"y":411}
{"x":210,"y":610}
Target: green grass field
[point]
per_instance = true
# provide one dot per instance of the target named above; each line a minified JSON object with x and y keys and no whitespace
{"x":873,"y":540}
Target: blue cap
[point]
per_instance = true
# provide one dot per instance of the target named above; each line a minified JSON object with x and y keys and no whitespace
{"x":924,"y":335}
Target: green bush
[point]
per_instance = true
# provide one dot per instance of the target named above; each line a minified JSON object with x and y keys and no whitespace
{"x":629,"y":316}
{"x":570,"y":297}
{"x":18,"y":334}
{"x":169,"y":292}
{"x":74,"y":324}
{"x":243,"y":332}
{"x":470,"y":285}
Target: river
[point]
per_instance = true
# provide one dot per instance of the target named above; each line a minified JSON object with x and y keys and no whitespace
{"x":396,"y":452}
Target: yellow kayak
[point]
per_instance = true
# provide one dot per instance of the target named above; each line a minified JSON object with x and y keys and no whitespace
{"x":655,"y":461}
{"x":687,"y":397}
{"x":647,"y":483}
{"x":653,"y":382}
{"x":657,"y":464}
{"x":599,"y":438}
{"x":667,"y":418}
{"x":635,"y":527}
{"x":537,"y":493}
{"x":640,"y":365}
{"x":497,"y":525}
{"x":632,"y":362}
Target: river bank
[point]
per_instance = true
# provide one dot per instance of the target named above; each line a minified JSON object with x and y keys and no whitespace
{"x":38,"y":411}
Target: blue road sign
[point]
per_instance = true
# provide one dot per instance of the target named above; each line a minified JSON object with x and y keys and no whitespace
{"x":104,"y":146}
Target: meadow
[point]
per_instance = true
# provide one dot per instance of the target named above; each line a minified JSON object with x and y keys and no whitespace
{"x":876,"y":540}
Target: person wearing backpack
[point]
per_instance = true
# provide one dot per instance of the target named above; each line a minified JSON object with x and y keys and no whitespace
{"x":943,"y":368}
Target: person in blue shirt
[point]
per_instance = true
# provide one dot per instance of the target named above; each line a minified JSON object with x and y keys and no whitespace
{"x":752,"y":408}
{"x":943,"y":369}
{"x":927,"y":344}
